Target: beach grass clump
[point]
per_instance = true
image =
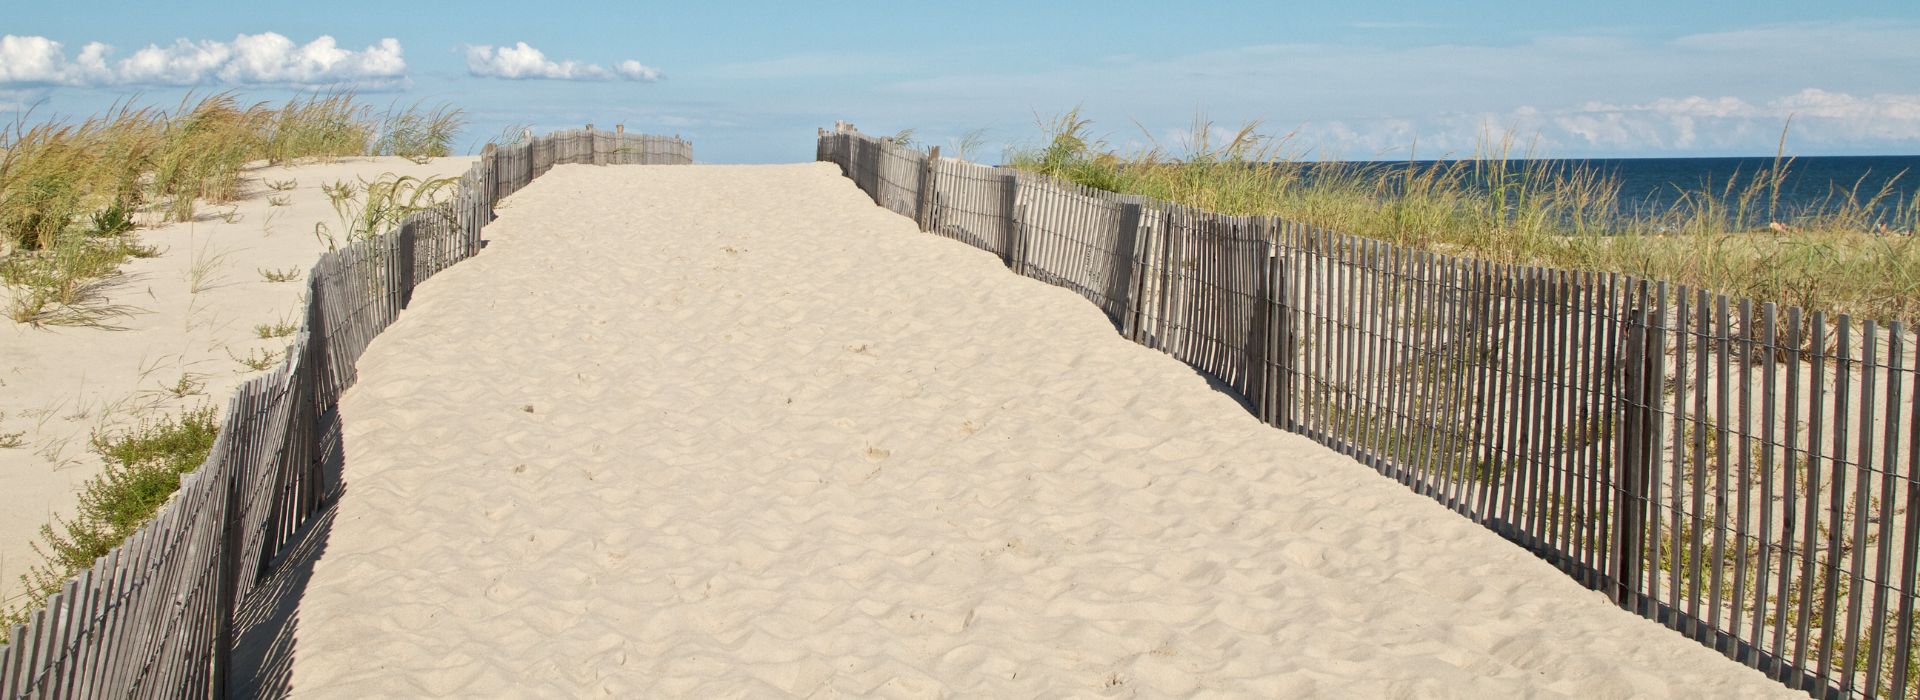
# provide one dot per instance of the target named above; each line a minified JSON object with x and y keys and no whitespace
{"x":369,"y":208}
{"x":318,"y":127}
{"x":71,"y":190}
{"x":1852,"y":253}
{"x":419,"y":133}
{"x":143,"y":470}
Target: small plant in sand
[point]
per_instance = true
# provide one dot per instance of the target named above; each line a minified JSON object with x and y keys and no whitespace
{"x":187,"y":385}
{"x":339,"y":191}
{"x":11,"y":440}
{"x":286,"y":275}
{"x":201,"y":275}
{"x":143,"y":470}
{"x":282,"y":185}
{"x":231,"y":216}
{"x":277,"y":329}
{"x":257,"y":359}
{"x":279,"y":201}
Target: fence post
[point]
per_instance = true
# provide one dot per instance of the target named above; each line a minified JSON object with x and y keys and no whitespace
{"x":1126,"y":283}
{"x":1640,"y":386}
{"x":923,"y":213}
{"x":619,"y":144}
{"x":487,"y":157}
{"x":1287,"y":373}
{"x":1280,"y":352}
{"x":408,"y":235}
{"x":1015,"y":256}
{"x":1260,"y":337}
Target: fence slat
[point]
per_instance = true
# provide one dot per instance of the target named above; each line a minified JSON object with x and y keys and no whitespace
{"x":1763,"y":569}
{"x":1722,"y":383}
{"x":1889,"y":499}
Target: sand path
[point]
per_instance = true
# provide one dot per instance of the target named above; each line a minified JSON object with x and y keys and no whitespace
{"x":733,"y":431}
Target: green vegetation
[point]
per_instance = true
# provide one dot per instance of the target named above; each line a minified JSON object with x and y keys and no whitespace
{"x":143,"y":470}
{"x":1846,"y":256}
{"x":258,"y":360}
{"x":277,"y":329}
{"x":388,"y":200}
{"x":69,"y":191}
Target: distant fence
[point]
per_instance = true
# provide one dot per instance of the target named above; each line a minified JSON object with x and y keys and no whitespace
{"x":154,"y":618}
{"x":1740,"y":473}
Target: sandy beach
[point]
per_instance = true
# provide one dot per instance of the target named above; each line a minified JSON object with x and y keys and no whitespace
{"x":185,"y":343}
{"x":734,"y":431}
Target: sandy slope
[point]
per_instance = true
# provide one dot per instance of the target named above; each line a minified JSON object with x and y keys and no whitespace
{"x":59,"y":385}
{"x":722,"y":431}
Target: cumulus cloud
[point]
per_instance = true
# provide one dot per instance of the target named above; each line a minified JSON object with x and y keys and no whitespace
{"x":250,"y":59}
{"x":523,"y":62}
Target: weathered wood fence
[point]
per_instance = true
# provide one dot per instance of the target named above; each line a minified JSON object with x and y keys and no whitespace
{"x":1741,"y":473}
{"x":154,"y":617}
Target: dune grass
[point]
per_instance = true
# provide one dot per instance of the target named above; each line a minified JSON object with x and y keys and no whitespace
{"x":369,"y":208}
{"x":1845,"y":255}
{"x":59,"y":178}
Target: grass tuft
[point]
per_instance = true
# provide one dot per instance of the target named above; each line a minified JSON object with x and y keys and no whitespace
{"x":277,"y":329}
{"x":258,"y":360}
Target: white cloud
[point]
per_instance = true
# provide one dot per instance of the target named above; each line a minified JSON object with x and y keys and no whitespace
{"x":523,"y":62}
{"x":635,"y":70}
{"x":1821,"y":120}
{"x":250,"y":59}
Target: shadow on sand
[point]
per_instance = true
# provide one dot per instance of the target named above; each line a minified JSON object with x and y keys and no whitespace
{"x":266,"y":624}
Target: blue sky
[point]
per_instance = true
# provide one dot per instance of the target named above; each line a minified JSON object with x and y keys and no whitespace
{"x":749,"y":82}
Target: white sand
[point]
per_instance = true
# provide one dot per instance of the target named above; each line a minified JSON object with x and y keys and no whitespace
{"x":720,"y":431}
{"x":60,"y":384}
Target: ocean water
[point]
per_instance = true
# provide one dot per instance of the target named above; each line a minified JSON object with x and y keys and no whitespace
{"x":1814,"y":184}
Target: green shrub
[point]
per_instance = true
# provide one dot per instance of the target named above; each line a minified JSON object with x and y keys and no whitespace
{"x":143,"y":470}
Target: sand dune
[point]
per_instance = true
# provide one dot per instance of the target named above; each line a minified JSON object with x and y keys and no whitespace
{"x":192,"y":312}
{"x":718,"y":431}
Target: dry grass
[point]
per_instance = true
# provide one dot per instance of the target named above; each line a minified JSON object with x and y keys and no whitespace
{"x":1847,"y":255}
{"x":58,"y":176}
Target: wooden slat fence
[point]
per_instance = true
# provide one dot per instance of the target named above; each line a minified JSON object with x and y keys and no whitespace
{"x":154,"y":617}
{"x":1740,"y":472}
